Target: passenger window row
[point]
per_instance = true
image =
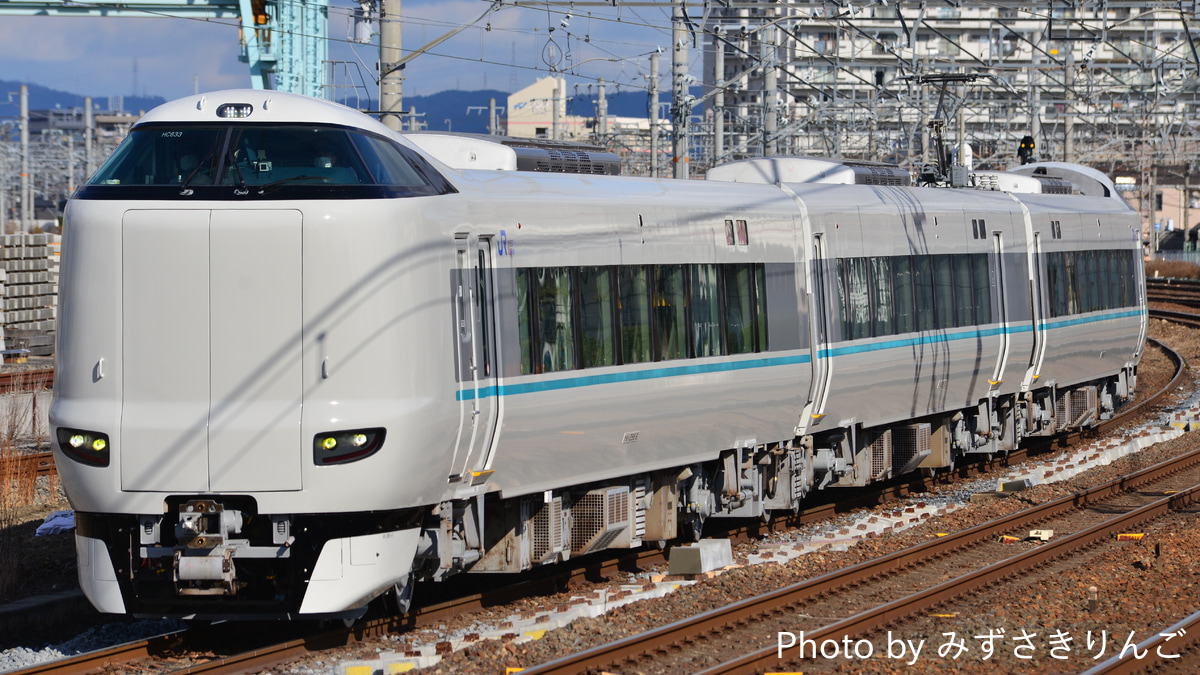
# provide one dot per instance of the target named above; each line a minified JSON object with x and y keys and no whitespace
{"x":893,"y":295}
{"x":589,"y":317}
{"x":1090,"y":281}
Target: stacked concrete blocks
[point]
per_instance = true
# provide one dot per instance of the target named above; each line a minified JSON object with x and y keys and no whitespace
{"x":1187,"y":419}
{"x":30,"y":286}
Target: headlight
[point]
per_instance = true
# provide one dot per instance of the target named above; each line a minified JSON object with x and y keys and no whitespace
{"x":342,"y":447}
{"x":86,"y":447}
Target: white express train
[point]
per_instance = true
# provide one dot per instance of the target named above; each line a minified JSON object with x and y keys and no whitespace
{"x":303,"y":361}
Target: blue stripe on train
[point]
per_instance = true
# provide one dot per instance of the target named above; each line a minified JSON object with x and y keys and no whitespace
{"x":633,"y":376}
{"x":769,"y":362}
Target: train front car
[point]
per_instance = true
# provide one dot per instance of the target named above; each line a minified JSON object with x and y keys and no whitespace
{"x":240,"y":370}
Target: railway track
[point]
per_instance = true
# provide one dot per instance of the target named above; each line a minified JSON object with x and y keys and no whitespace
{"x":26,"y":380}
{"x":1184,"y":292}
{"x":265,"y":653}
{"x":680,"y":646}
{"x":36,"y":463}
{"x":22,"y":381}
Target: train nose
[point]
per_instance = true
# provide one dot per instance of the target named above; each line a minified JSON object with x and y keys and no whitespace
{"x":212,"y":330}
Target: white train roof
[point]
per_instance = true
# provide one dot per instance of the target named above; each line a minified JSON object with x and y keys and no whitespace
{"x":264,"y":106}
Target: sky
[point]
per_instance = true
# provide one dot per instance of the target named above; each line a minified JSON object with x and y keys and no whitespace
{"x":506,"y":51}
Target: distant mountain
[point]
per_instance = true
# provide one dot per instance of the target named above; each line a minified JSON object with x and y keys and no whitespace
{"x":44,"y":98}
{"x":453,"y":109}
{"x":466,"y":111}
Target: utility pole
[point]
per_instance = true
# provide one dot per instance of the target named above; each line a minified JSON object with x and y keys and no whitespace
{"x":962,"y":126}
{"x":681,"y":107}
{"x":88,"y":158}
{"x":770,"y":78}
{"x":70,"y":163}
{"x":654,"y":115}
{"x":1186,"y":205}
{"x":1035,"y":103}
{"x":492,"y":117}
{"x":602,"y":116}
{"x":554,"y":110}
{"x":26,"y":190}
{"x":3,"y":186}
{"x":391,"y":79}
{"x":719,"y":99}
{"x":1068,"y":96}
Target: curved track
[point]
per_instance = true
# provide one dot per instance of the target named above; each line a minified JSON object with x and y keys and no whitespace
{"x":238,"y":656}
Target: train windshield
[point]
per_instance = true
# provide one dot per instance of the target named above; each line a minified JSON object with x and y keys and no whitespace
{"x":263,"y":161}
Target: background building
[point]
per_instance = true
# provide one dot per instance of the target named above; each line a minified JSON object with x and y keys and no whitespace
{"x":1107,"y":83}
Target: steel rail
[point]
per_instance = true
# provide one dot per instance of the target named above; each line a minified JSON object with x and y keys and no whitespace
{"x":38,"y":463}
{"x":1186,"y":631}
{"x":635,"y":646}
{"x":103,"y":660}
{"x":26,"y":380}
{"x":865,"y":622}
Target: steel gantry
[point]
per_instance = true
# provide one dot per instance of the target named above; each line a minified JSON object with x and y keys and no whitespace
{"x":283,"y":41}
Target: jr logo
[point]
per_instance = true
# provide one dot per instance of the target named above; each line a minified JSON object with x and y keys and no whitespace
{"x":505,"y":244}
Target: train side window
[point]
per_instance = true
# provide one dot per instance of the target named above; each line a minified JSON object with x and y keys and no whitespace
{"x":1071,"y":262}
{"x":964,"y":299}
{"x":739,"y":309}
{"x":596,"y":317}
{"x":1059,"y":283}
{"x":903,"y":292}
{"x":1091,"y":264}
{"x":555,"y":339}
{"x":881,"y":296}
{"x":1117,"y":276}
{"x":1078,"y":278}
{"x":633,"y":309}
{"x":760,"y":304}
{"x":1129,"y":265}
{"x":1052,"y":283}
{"x":943,"y":291}
{"x":922,"y":271}
{"x":855,"y":298}
{"x":524,"y":320}
{"x":1123,"y":268}
{"x":670,"y":312}
{"x":1105,"y":279}
{"x":706,"y":311}
{"x":981,"y":285}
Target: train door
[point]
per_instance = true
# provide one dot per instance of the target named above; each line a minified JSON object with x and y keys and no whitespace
{"x":819,"y":327}
{"x":1036,"y":286}
{"x":475,"y":334}
{"x":1002,"y":305}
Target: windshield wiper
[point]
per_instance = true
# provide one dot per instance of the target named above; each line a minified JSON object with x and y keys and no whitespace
{"x":184,"y":190}
{"x":241,"y":181}
{"x":290,"y":179}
